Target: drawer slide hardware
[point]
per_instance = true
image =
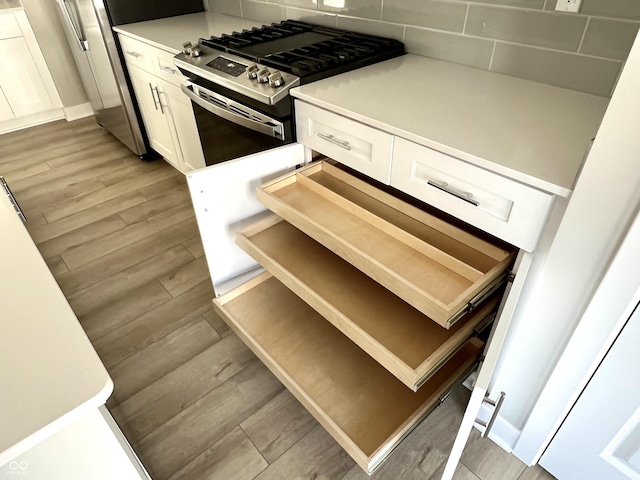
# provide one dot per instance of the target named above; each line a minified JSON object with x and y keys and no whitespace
{"x":330,"y":138}
{"x":496,"y":404}
{"x":12,"y":199}
{"x":465,"y":196}
{"x":478,"y":299}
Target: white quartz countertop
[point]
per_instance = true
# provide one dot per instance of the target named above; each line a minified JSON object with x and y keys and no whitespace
{"x":50,"y":375}
{"x":170,"y":33}
{"x":531,"y":132}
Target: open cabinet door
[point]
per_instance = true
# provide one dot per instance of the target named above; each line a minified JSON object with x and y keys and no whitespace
{"x":224,"y":199}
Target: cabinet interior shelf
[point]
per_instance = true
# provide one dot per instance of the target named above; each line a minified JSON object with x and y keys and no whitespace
{"x":403,"y":340}
{"x":434,"y":266}
{"x":362,"y":405}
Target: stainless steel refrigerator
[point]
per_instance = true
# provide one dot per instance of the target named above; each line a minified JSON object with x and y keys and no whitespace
{"x":88,"y":25}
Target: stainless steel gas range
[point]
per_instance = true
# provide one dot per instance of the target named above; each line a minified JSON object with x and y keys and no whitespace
{"x":239,"y":83}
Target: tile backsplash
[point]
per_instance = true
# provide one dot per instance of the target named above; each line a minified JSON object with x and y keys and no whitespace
{"x":523,"y":38}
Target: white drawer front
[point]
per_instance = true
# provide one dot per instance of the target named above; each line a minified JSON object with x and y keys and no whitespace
{"x":507,"y":209}
{"x":136,"y":53}
{"x":358,"y":146}
{"x":165,"y":68}
{"x":9,"y":26}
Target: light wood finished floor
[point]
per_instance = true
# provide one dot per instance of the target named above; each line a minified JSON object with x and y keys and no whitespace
{"x":121,"y":239}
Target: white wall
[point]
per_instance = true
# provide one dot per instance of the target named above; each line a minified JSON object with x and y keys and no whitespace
{"x":46,"y":25}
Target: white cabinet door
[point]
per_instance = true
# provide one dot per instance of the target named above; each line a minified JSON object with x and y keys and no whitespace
{"x":600,"y":439}
{"x":155,"y":113}
{"x":20,"y":79}
{"x":5,"y":110}
{"x":224,"y":200}
{"x":188,"y":140}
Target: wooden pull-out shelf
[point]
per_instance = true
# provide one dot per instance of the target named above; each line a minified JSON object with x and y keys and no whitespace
{"x":399,"y":337}
{"x":365,"y":408}
{"x":432,"y":265}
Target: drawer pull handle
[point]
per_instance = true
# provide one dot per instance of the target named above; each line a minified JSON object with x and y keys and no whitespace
{"x":330,"y":138}
{"x":134,"y":54}
{"x":444,"y":186}
{"x":168,"y":70}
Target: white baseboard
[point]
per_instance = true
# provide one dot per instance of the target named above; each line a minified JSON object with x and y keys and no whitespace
{"x":77,"y":112}
{"x":504,"y":434}
{"x":31,"y":120}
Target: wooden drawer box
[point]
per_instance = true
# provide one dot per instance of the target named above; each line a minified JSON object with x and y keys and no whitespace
{"x":349,"y":142}
{"x":404,"y":341}
{"x":365,"y":408}
{"x":435,"y":267}
{"x":500,"y":206}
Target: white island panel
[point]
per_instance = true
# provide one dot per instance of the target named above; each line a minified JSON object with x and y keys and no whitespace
{"x":50,"y":375}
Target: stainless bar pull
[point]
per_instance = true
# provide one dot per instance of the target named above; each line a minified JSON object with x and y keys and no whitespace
{"x":162,"y":107}
{"x":444,"y":186}
{"x":496,"y":404}
{"x":330,"y":138}
{"x":82,"y":43}
{"x":170,"y":70}
{"x":155,"y":104}
{"x":133,"y":54}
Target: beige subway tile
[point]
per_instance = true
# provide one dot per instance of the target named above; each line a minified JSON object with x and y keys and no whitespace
{"x":440,"y":15}
{"x":577,"y":72}
{"x":227,"y":7}
{"x":544,"y":29}
{"x":361,"y":25}
{"x":475,"y":52}
{"x":609,"y":38}
{"x":537,"y":4}
{"x":311,"y":16}
{"x":611,"y":8}
{"x":262,"y":12}
{"x":353,"y":8}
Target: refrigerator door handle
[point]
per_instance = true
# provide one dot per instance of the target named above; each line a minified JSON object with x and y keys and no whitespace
{"x":83,"y":44}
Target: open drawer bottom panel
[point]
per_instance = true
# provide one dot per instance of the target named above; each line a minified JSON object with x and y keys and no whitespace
{"x":363,"y":406}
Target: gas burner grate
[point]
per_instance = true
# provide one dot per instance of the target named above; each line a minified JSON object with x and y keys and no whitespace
{"x":304,"y":49}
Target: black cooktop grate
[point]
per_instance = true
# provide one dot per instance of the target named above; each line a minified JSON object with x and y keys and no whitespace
{"x":305,"y":50}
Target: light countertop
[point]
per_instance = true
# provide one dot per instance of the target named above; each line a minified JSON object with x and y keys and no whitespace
{"x":170,"y":33}
{"x":50,"y":375}
{"x":531,"y":132}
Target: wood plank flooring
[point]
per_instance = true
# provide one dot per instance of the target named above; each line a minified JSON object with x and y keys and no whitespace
{"x":121,"y":239}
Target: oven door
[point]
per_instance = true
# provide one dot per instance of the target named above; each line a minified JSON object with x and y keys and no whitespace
{"x":229,"y":129}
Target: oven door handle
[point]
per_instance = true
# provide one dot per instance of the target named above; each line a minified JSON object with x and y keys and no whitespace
{"x":276,"y":131}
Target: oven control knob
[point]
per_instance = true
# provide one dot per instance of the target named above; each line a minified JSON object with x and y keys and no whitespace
{"x":186,"y":48}
{"x":263,"y":75}
{"x":276,"y":80}
{"x":252,"y":72}
{"x":196,"y":51}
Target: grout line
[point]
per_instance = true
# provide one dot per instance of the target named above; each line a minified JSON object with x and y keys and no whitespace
{"x":493,"y":52}
{"x":584,"y":34}
{"x":466,"y":16}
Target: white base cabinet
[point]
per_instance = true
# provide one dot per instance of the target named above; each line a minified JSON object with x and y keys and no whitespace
{"x":166,"y":112}
{"x":92,"y":447}
{"x":367,"y":373}
{"x":27,"y":92}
